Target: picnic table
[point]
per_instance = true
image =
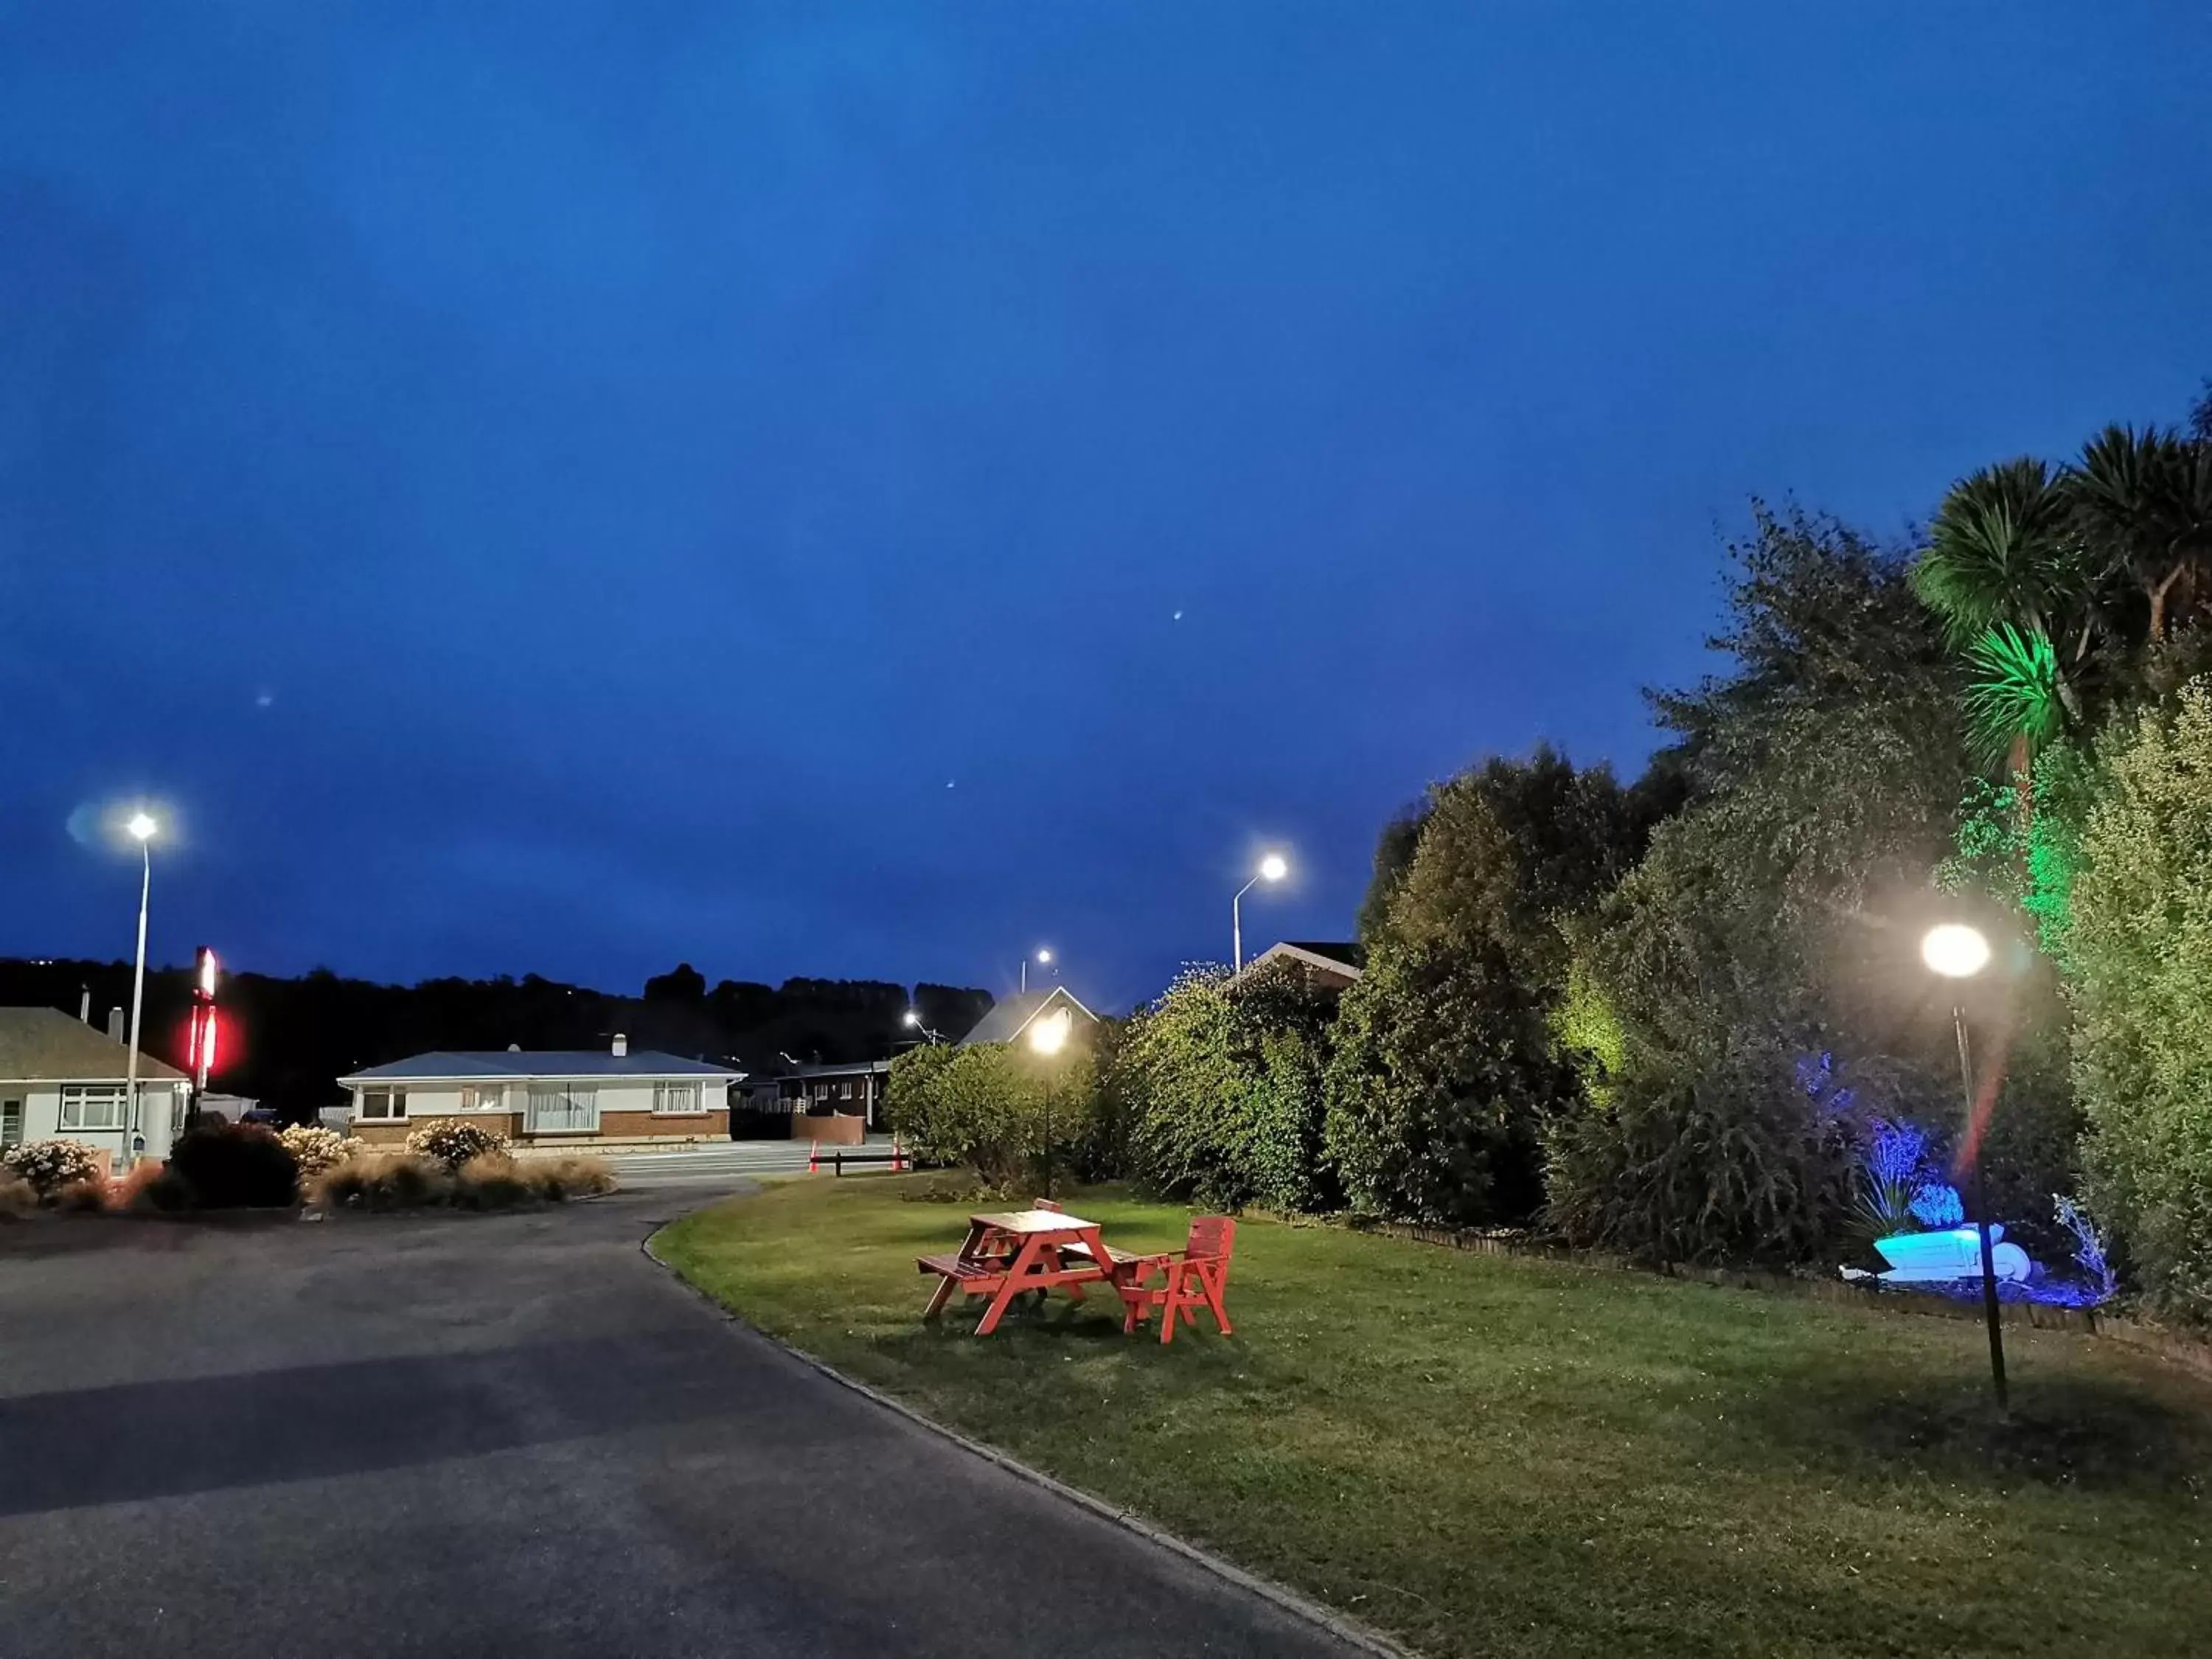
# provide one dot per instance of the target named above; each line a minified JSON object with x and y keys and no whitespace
{"x":1010,"y":1253}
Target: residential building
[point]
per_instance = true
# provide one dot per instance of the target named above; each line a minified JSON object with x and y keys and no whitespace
{"x":547,"y":1096}
{"x":60,"y":1078}
{"x":1010,"y":1018}
{"x":1328,"y":965}
{"x":854,"y":1088}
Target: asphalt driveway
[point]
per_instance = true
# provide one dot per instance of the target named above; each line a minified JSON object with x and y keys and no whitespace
{"x":506,"y":1435}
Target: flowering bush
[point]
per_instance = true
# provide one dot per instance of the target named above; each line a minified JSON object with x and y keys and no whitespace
{"x":51,"y":1166}
{"x":453,"y":1143}
{"x":315,"y":1149}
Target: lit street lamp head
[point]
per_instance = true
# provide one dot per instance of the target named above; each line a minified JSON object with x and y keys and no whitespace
{"x":1049,"y":1035}
{"x":911,"y":1018}
{"x":1045,"y":955}
{"x":1274,"y":867}
{"x":141,"y":827}
{"x":1955,"y":951}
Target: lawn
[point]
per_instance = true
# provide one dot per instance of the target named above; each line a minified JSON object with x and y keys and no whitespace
{"x":1489,"y":1456}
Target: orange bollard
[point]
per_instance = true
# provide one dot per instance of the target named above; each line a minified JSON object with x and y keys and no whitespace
{"x":898,"y":1158}
{"x":813,"y":1157}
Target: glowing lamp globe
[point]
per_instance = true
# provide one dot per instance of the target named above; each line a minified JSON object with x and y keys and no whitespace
{"x":1955,"y":951}
{"x":141,"y":827}
{"x":911,"y":1018}
{"x":1045,"y":955}
{"x":1049,"y":1035}
{"x":1272,"y":867}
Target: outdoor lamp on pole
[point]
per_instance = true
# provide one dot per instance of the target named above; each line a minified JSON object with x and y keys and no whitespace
{"x":1047,"y":1037}
{"x":1958,"y":953}
{"x":1272,"y":869}
{"x":914,"y":1023}
{"x":1044,"y":960}
{"x":142,"y":829}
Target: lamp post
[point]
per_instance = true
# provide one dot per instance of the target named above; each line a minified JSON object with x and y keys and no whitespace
{"x":1272,"y":869}
{"x":1044,"y":960}
{"x":142,"y":829}
{"x":913,"y":1021}
{"x":1958,"y":953}
{"x":1047,"y":1037}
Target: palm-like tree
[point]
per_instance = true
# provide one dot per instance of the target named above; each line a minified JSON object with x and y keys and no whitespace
{"x":2143,"y":503}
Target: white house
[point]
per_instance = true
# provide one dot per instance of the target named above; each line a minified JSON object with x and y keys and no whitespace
{"x":546,"y":1096}
{"x":60,"y":1078}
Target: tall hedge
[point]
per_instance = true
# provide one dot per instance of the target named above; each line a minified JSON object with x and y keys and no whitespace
{"x":1219,"y":1085}
{"x":2140,"y":944}
{"x":988,"y":1106}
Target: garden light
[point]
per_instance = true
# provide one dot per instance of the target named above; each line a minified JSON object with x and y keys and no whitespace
{"x":1955,"y":951}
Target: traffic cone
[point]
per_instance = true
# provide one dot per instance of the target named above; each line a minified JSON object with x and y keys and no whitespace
{"x":813,"y":1157}
{"x":898,"y":1158}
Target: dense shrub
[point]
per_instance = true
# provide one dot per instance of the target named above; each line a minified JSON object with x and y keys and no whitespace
{"x":377,"y":1180}
{"x":1217,"y":1089}
{"x":2140,"y":941}
{"x":315,"y":1149}
{"x":1443,"y":1077}
{"x":454,"y":1142}
{"x":18,"y":1197}
{"x":987,"y":1106}
{"x":235,"y":1166}
{"x":49,"y":1167}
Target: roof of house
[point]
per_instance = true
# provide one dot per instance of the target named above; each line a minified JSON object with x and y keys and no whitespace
{"x":1008,"y":1019}
{"x":39,"y":1045}
{"x":511,"y":1063}
{"x":831,"y":1068}
{"x":1330,"y":957}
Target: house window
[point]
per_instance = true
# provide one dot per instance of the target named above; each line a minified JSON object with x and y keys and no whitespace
{"x":674,"y":1096}
{"x":563,"y":1108}
{"x":484,"y":1097}
{"x":92,"y":1106}
{"x":384,"y":1102}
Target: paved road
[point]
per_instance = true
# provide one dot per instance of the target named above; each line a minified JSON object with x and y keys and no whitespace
{"x":509,"y":1435}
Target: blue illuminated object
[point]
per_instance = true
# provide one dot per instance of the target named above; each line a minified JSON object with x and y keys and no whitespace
{"x":1953,"y":1253}
{"x":1937,"y":1206}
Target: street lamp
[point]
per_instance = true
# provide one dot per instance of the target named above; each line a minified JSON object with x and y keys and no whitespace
{"x":142,"y":829}
{"x":1047,"y":1037}
{"x":1044,"y":960}
{"x":1957,"y":951}
{"x":1273,"y":868}
{"x":913,"y":1020}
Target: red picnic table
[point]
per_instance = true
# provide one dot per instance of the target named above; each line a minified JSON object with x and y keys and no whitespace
{"x":1016,"y":1251}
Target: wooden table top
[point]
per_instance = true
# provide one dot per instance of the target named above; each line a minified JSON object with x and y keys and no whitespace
{"x":1034,"y":1221}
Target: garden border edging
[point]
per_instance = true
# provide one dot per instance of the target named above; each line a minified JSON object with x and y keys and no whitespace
{"x":2188,"y":1353}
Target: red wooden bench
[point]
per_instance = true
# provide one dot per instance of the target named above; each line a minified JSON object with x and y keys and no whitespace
{"x":1196,"y":1279}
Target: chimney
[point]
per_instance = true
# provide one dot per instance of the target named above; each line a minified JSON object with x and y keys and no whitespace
{"x":515,"y":1048}
{"x":84,"y":1003}
{"x":115,"y":1025}
{"x":621,"y":1045}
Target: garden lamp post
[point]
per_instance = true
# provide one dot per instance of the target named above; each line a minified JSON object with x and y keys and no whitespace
{"x":1044,"y":960}
{"x":1272,"y":869}
{"x":913,"y":1021}
{"x":1958,"y":953}
{"x":141,"y":828}
{"x":1047,"y":1037}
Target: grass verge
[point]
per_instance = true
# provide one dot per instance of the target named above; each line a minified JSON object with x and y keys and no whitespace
{"x":1492,"y":1455}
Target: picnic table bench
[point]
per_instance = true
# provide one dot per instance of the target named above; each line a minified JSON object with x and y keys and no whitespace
{"x":1013,"y":1253}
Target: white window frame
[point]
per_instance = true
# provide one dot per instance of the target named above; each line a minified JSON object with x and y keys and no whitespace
{"x":678,"y":1100}
{"x":473,"y":1097}
{"x":395,"y":1105}
{"x":562,"y":1107}
{"x":76,"y":1096}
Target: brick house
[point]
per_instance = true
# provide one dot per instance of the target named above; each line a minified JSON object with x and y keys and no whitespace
{"x":546,"y":1097}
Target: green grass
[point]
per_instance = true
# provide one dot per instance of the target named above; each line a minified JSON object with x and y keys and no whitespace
{"x":1490,"y":1456}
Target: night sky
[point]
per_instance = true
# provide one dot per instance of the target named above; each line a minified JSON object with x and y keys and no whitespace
{"x":861,"y":492}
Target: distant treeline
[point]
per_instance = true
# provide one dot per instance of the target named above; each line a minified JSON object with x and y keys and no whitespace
{"x":286,"y":1040}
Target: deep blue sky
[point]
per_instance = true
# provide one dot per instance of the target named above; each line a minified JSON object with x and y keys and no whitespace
{"x":565,"y":487}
